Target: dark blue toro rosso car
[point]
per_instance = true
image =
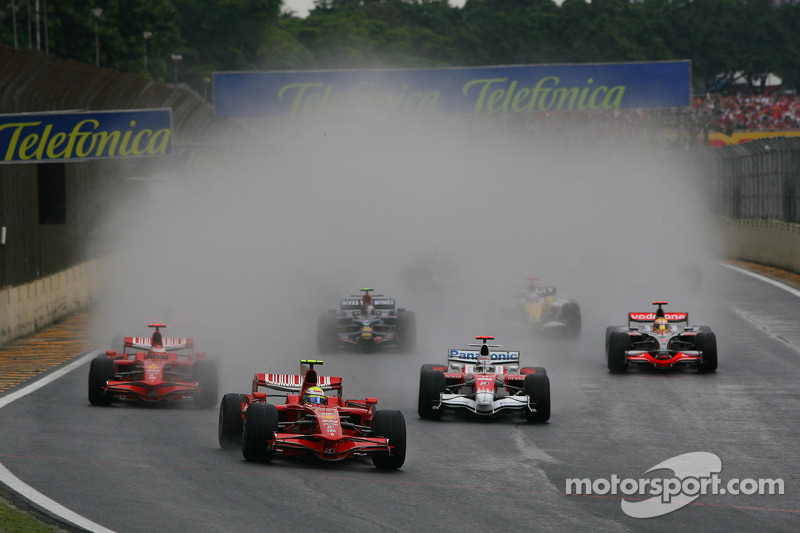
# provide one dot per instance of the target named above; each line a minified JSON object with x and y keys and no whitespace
{"x":367,"y":322}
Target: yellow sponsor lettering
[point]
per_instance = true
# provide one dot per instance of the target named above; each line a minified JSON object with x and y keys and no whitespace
{"x":541,"y":91}
{"x":565,"y":98}
{"x":107,"y":139}
{"x":17,"y":131}
{"x":582,"y":99}
{"x":45,"y":137}
{"x":316,"y":98}
{"x":26,"y":141}
{"x":299,"y":90}
{"x":483,"y":86}
{"x":77,"y":138}
{"x":137,"y":142}
{"x":501,"y":95}
{"x":57,"y":140}
{"x":158,"y":143}
{"x":124,"y":149}
{"x":26,"y":144}
{"x":517,"y":103}
{"x":613,"y":99}
{"x":593,"y":103}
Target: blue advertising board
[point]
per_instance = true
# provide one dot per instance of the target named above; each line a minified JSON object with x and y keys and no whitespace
{"x":28,"y":137}
{"x":478,"y":90}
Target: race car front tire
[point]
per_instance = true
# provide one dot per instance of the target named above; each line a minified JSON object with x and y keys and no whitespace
{"x":537,"y":388}
{"x":706,"y":342}
{"x":392,"y":425}
{"x":618,"y":343}
{"x":229,"y":431}
{"x":260,"y":425}
{"x":431,"y":386}
{"x":101,"y":370}
{"x":207,"y":379}
{"x":609,"y":331}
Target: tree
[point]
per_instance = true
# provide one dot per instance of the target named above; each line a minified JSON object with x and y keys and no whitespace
{"x":120,"y":31}
{"x":223,"y":34}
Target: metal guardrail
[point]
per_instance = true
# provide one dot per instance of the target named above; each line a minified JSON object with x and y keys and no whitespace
{"x":757,"y":180}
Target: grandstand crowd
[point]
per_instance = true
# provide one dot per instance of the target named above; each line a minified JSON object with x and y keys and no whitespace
{"x":752,"y":112}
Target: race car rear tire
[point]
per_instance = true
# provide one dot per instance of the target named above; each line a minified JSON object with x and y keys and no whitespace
{"x":327,"y":333}
{"x":431,"y":386}
{"x":206,"y":376}
{"x":392,"y":425}
{"x":537,"y":388}
{"x":706,"y":342}
{"x":618,"y":343}
{"x":230,"y":426}
{"x":101,"y":370}
{"x":260,"y":425}
{"x":571,"y":315}
{"x":407,"y":331}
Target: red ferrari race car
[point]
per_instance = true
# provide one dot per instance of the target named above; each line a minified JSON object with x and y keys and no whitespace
{"x":484,"y":383}
{"x":660,"y":340}
{"x":309,"y":423}
{"x":154,"y":369}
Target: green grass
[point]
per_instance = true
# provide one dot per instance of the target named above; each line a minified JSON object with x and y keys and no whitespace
{"x":12,"y":520}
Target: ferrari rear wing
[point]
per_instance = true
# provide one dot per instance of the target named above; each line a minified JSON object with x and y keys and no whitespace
{"x":171,"y":344}
{"x":293,"y":383}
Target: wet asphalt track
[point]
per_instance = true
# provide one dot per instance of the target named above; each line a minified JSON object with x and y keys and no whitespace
{"x":134,"y":469}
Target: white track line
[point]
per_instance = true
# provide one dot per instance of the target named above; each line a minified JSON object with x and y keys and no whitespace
{"x":26,"y":491}
{"x":765,"y":279}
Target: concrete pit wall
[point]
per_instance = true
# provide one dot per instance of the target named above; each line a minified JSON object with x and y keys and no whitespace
{"x":24,"y":309}
{"x":768,"y":242}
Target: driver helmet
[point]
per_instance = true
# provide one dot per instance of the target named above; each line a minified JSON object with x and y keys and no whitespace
{"x":661,"y":326}
{"x":484,"y":363}
{"x":369,"y":309}
{"x":158,"y":352}
{"x":314,"y":396}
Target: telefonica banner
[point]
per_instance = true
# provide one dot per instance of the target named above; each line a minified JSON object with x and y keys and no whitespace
{"x":480,"y":90}
{"x":27,"y":138}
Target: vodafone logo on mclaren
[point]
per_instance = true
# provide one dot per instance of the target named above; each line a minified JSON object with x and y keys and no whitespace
{"x":649,"y":317}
